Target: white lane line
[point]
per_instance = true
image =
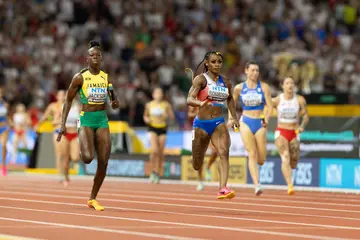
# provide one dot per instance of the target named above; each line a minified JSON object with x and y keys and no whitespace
{"x":134,"y":196}
{"x":318,"y":192}
{"x":192,"y":206}
{"x":142,"y":234}
{"x":195,"y":215}
{"x":43,"y":188}
{"x":307,"y":236}
{"x":12,"y":237}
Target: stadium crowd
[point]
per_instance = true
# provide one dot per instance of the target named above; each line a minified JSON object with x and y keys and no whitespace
{"x":151,"y":42}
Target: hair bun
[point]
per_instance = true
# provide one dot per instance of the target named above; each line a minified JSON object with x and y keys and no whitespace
{"x":94,"y":43}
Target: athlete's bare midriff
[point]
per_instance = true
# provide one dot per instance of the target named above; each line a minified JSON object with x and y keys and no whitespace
{"x":93,"y":107}
{"x":209,"y":112}
{"x":253,"y":113}
{"x":288,"y":126}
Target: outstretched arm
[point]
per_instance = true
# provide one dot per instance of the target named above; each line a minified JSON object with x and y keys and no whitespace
{"x":303,"y":113}
{"x":269,"y":103}
{"x":74,"y":87}
{"x":232,"y":106}
{"x":235,"y":95}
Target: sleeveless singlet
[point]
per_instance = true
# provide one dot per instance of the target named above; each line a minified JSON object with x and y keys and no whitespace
{"x":73,"y":116}
{"x":94,"y":88}
{"x":155,"y":111}
{"x":216,"y":91}
{"x":19,"y":118}
{"x":252,"y":98}
{"x":288,"y":110}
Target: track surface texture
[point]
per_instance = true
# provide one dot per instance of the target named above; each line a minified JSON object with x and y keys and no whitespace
{"x":39,"y":207}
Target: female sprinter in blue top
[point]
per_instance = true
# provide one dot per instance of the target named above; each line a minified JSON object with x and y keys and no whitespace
{"x":253,"y":96}
{"x":290,"y":107}
{"x":192,"y":112}
{"x":4,"y":130}
{"x":94,"y":87}
{"x":208,"y":92}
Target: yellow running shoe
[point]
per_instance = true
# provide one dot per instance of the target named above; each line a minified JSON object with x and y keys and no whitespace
{"x":291,"y":190}
{"x":94,"y":204}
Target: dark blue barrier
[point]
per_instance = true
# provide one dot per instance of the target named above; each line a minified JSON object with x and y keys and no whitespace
{"x":306,"y":173}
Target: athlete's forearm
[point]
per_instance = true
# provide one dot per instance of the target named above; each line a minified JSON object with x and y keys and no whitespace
{"x":305,"y":121}
{"x":112,"y":95}
{"x":232,"y":108}
{"x":268,"y":112}
{"x":65,"y":111}
{"x":193,"y":102}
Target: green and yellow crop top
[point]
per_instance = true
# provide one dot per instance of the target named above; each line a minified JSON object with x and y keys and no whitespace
{"x":95,"y":87}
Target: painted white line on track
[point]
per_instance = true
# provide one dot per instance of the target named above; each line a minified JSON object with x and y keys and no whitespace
{"x":195,"y":215}
{"x":122,"y":192}
{"x":142,"y":234}
{"x":135,"y":196}
{"x":306,"y":236}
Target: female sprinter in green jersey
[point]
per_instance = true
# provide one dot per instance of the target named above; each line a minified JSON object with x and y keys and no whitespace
{"x":94,"y":87}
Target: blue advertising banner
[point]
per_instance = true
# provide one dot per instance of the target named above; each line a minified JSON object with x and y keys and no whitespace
{"x":124,"y":165}
{"x":173,"y":145}
{"x":306,"y":173}
{"x":124,"y":168}
{"x":24,"y":148}
{"x":340,"y":173}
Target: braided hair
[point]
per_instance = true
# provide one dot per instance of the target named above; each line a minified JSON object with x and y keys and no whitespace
{"x":205,"y":68}
{"x":206,"y":57}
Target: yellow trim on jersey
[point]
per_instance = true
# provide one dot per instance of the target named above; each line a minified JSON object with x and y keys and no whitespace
{"x":162,"y":105}
{"x":94,"y":88}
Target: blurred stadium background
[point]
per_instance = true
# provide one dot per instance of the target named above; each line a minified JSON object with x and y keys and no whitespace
{"x":43,"y":43}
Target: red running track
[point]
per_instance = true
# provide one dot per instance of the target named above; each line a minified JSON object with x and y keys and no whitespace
{"x":39,"y":207}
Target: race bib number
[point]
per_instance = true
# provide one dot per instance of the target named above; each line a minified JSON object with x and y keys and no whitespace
{"x":97,"y":94}
{"x":252,"y":99}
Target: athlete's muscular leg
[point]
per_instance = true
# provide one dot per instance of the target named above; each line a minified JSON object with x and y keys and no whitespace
{"x":283,"y":148}
{"x":261,"y":141}
{"x":86,"y":140}
{"x":294,"y":153}
{"x":200,"y":144}
{"x":250,"y":145}
{"x":65,"y":157}
{"x":161,"y":154}
{"x":221,"y":140}
{"x":213,"y":155}
{"x":4,"y":139}
{"x":103,"y":148}
{"x":57,"y":149}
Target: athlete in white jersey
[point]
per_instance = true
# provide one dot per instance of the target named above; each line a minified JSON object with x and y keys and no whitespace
{"x":290,"y":107}
{"x":69,"y":145}
{"x":22,"y":122}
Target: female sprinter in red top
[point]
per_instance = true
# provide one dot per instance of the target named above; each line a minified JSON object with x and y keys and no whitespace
{"x":192,"y":112}
{"x":209,"y":92}
{"x":253,"y":95}
{"x":290,"y":107}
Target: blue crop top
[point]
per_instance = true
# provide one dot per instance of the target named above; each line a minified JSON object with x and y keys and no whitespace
{"x":252,"y":98}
